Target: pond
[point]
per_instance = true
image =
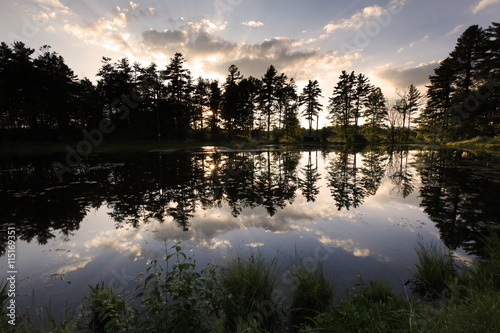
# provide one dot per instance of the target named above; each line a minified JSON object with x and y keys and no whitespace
{"x":358,"y":213}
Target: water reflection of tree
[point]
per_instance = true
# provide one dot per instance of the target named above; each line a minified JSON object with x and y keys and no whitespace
{"x":398,"y":173}
{"x":458,"y":197}
{"x":310,"y":177}
{"x":346,"y":189}
{"x":145,"y":187}
{"x":372,"y":170}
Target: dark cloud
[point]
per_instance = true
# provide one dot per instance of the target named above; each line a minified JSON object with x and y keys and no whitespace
{"x":403,"y":77}
{"x":158,"y":40}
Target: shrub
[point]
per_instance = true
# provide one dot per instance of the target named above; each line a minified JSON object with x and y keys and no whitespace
{"x":101,"y":310}
{"x":312,"y":294}
{"x":435,"y":270}
{"x":249,"y":284}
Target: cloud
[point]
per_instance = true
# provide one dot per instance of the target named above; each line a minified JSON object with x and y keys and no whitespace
{"x":253,"y":24}
{"x":199,"y":42}
{"x":355,"y":21}
{"x":104,"y":32}
{"x":111,"y":31}
{"x":403,"y":76}
{"x":455,"y":30}
{"x":348,"y":245}
{"x":412,"y":44}
{"x":483,"y":4}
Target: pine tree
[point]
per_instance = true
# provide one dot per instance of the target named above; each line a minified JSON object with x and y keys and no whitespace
{"x":342,"y":102}
{"x":362,"y":90}
{"x":268,"y":95}
{"x":309,"y":99}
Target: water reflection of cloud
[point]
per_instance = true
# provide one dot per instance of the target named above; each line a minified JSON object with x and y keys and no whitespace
{"x":69,"y":268}
{"x":255,"y":244}
{"x":348,"y":245}
{"x":120,"y":240}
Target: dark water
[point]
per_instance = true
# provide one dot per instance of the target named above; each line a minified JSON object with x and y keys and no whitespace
{"x":358,"y":213}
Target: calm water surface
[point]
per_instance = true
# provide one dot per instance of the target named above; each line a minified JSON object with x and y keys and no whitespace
{"x":358,"y":213}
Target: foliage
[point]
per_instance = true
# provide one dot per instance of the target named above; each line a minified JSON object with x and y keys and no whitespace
{"x":435,"y":269}
{"x":462,"y":99}
{"x":309,"y":99}
{"x":312,"y":293}
{"x":177,"y":300}
{"x":249,"y":284}
{"x":372,"y":308}
{"x":102,"y":310}
{"x":181,"y":300}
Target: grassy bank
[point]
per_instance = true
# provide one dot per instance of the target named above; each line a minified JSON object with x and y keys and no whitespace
{"x":174,"y":296}
{"x":480,"y":142}
{"x":117,"y":146}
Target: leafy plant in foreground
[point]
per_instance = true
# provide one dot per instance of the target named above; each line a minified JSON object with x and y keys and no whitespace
{"x":180,"y":299}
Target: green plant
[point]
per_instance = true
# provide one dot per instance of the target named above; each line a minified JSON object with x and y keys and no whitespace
{"x":312,"y":293}
{"x":180,"y":299}
{"x":372,"y":308}
{"x":101,"y":310}
{"x":249,"y":284}
{"x":435,"y":269}
{"x":485,"y":272}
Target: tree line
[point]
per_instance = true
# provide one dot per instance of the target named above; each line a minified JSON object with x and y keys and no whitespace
{"x":464,"y":93}
{"x":42,"y":98}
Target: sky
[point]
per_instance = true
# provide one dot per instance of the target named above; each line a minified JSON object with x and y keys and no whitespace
{"x":394,"y":42}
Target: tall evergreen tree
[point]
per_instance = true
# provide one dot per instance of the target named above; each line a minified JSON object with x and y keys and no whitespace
{"x":362,"y":90}
{"x":57,"y":90}
{"x":342,"y":102}
{"x":268,"y":95}
{"x":290,"y":100}
{"x":249,"y":89}
{"x":200,"y":102}
{"x":231,"y":101}
{"x":309,"y":98}
{"x":376,"y":109}
{"x":215,"y":102}
{"x":468,"y":56}
{"x":414,"y":101}
{"x":179,"y":87}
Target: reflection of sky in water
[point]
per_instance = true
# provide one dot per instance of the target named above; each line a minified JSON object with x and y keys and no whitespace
{"x":375,"y":240}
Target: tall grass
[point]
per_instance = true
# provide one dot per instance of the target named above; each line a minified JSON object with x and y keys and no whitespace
{"x":474,"y":305}
{"x":374,"y":307}
{"x":249,"y":284}
{"x":240,"y":297}
{"x":435,"y":269}
{"x":312,"y":293}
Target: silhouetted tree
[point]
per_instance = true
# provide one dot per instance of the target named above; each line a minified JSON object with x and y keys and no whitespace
{"x":309,"y":98}
{"x":268,"y":95}
{"x":376,"y":109}
{"x":231,"y":101}
{"x":362,"y":90}
{"x":342,"y":102}
{"x":178,"y":96}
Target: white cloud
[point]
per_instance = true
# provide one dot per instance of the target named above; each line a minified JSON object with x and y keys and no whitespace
{"x":355,"y":21}
{"x":348,"y":245}
{"x":253,"y":24}
{"x":198,"y":41}
{"x":412,"y":44}
{"x":111,"y":31}
{"x":483,"y":4}
{"x":455,"y":30}
{"x":405,"y":75}
{"x":133,"y":5}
